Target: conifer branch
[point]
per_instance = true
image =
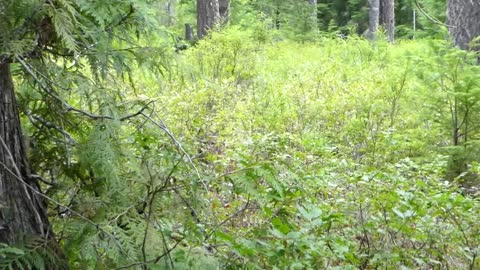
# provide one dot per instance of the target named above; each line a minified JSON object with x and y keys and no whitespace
{"x":431,"y":18}
{"x":163,"y":127}
{"x":42,"y":179}
{"x":17,"y":175}
{"x":68,"y":107}
{"x":122,"y":20}
{"x":35,"y":118}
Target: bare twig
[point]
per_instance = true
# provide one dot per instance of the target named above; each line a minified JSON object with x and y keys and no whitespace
{"x":155,"y":260}
{"x":33,"y":118}
{"x":431,"y":18}
{"x":42,"y":179}
{"x":193,"y":213}
{"x":237,"y":213}
{"x":163,"y":127}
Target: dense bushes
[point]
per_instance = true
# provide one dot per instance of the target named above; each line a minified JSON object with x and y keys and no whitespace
{"x":254,"y":153}
{"x":328,"y":154}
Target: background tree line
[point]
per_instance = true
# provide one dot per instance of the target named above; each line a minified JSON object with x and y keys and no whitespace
{"x":338,"y":15}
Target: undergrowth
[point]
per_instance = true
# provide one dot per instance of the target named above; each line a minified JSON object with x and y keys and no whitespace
{"x":265,"y":154}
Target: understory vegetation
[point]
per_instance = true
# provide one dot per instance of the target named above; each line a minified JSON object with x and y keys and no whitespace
{"x":282,"y":139}
{"x":245,"y":152}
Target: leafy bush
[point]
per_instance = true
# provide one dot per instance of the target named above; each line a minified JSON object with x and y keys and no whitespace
{"x":252,"y":153}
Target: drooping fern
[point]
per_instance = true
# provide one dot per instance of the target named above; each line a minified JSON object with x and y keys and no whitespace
{"x":33,"y":253}
{"x":64,"y":21}
{"x":101,"y":153}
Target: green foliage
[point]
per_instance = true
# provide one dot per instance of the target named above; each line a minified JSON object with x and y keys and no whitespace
{"x":32,"y":254}
{"x":432,"y":24}
{"x":266,"y":145}
{"x":333,"y":150}
{"x":17,"y":17}
{"x":454,"y":95}
{"x":293,"y":19}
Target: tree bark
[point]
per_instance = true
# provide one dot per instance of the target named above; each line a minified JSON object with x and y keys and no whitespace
{"x":381,"y":12}
{"x":170,"y":10}
{"x":188,"y":32}
{"x":387,"y":18}
{"x":314,"y":15}
{"x":22,"y":211}
{"x":224,"y":9}
{"x":373,"y":18}
{"x":208,"y":14}
{"x":463,"y":20}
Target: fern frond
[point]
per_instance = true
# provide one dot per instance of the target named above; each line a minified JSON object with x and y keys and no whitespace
{"x":64,"y":22}
{"x":33,"y":253}
{"x":69,"y":7}
{"x":102,"y":153}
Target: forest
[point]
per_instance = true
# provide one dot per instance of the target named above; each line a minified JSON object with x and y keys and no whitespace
{"x":239,"y":134}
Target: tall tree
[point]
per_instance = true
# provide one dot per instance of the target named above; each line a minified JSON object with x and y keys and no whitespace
{"x":23,"y":213}
{"x":224,"y":9}
{"x":314,"y":15}
{"x":169,"y":13}
{"x":387,"y":18}
{"x":463,"y":20}
{"x":373,"y":18}
{"x":208,"y":15}
{"x":381,"y":12}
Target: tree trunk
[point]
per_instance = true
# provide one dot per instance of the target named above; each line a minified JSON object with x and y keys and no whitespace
{"x":208,"y":14}
{"x":463,"y":20}
{"x":277,"y":18}
{"x":373,"y":15}
{"x":224,"y":9}
{"x":387,"y":17}
{"x":314,"y":15}
{"x":188,"y":32}
{"x":22,"y":213}
{"x":170,"y":10}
